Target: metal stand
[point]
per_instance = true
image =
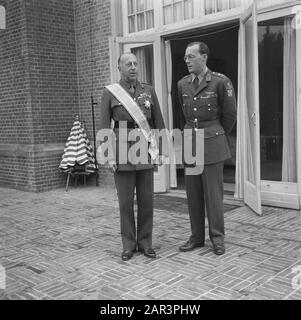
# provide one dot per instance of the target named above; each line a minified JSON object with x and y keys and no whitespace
{"x":92,"y":88}
{"x":94,"y":138}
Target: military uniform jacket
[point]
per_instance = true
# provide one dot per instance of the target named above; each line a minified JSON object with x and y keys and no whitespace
{"x":213,"y":107}
{"x":111,"y":108}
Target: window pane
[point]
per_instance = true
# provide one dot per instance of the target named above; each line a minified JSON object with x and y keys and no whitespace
{"x":278,"y":127}
{"x":167,"y":2}
{"x":235,"y":3}
{"x":140,"y":5}
{"x":149,"y":4}
{"x":168,"y":18}
{"x":178,"y":12}
{"x":209,"y":6}
{"x":146,"y":63}
{"x":131,"y":7}
{"x":132,"y":24}
{"x":222,"y":5}
{"x":188,"y":9}
{"x":271,"y":99}
{"x":140,"y":22}
{"x":149,"y":19}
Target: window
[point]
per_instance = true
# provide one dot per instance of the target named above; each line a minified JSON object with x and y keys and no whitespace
{"x":140,"y":15}
{"x":214,"y":6}
{"x":177,"y":10}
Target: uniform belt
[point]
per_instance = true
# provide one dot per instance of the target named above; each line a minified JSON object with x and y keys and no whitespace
{"x":130,"y":125}
{"x":198,"y":124}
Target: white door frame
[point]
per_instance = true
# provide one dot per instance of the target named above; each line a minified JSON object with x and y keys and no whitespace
{"x":251,"y":122}
{"x":297,"y":11}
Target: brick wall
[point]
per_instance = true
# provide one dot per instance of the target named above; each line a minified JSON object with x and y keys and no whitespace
{"x":53,"y":73}
{"x":39,"y":93}
{"x":47,"y":54}
{"x":93,"y":29}
{"x":15,"y":106}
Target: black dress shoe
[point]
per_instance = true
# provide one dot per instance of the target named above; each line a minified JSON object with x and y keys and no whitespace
{"x":126,"y":255}
{"x":219,"y":249}
{"x":149,"y":252}
{"x":189,"y":246}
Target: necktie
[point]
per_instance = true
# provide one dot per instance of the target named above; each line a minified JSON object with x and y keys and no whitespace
{"x":195,"y":83}
{"x":132,"y":90}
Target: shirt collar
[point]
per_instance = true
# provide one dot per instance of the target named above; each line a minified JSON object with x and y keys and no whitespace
{"x":127,"y":85}
{"x":193,"y":76}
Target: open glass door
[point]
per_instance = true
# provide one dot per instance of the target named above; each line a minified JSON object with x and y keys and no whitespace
{"x":278,"y":61}
{"x":250,"y":107}
{"x":148,"y":52}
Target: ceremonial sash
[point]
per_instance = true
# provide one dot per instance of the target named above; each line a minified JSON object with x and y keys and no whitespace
{"x":134,"y":110}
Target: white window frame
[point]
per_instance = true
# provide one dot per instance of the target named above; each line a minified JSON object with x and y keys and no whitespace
{"x":126,"y":21}
{"x":226,"y":10}
{"x":199,"y":10}
{"x":196,"y":7}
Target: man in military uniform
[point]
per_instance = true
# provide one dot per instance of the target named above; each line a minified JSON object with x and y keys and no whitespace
{"x":129,"y":176}
{"x":208,"y":102}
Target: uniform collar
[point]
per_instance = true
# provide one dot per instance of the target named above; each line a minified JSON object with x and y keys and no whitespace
{"x":127,"y":85}
{"x":207,"y":76}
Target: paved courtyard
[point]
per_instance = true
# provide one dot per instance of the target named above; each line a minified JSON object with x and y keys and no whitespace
{"x":66,"y":245}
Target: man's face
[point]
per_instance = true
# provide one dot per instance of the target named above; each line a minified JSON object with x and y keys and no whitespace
{"x":195,"y":61}
{"x":128,"y":67}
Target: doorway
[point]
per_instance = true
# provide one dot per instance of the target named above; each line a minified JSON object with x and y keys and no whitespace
{"x":223,"y":44}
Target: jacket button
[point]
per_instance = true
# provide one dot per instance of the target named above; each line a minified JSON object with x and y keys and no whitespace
{"x":217,"y":134}
{"x":195,"y":109}
{"x":194,"y":99}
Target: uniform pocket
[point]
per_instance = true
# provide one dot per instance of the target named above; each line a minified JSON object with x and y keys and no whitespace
{"x":214,"y":131}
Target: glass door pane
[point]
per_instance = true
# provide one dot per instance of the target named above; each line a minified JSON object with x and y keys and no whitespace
{"x":145,"y":59}
{"x":278,"y":121}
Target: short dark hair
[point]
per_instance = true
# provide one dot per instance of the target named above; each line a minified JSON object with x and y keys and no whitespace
{"x":203,"y":48}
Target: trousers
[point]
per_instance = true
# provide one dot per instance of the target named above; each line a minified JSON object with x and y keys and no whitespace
{"x":126,"y":182}
{"x":206,"y":191}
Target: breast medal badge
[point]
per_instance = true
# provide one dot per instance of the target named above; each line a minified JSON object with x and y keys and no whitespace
{"x":147,"y":104}
{"x":144,"y":98}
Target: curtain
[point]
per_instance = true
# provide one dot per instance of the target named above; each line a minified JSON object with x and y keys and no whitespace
{"x":289,"y":165}
{"x":168,"y":58}
{"x":239,"y":178}
{"x":146,"y":63}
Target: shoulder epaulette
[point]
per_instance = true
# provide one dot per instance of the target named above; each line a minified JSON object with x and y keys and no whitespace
{"x":186,"y":77}
{"x":220,"y":75}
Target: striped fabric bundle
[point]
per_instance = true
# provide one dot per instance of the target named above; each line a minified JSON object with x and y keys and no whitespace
{"x":78,"y":151}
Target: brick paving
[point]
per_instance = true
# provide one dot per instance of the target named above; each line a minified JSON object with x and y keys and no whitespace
{"x":66,"y":245}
